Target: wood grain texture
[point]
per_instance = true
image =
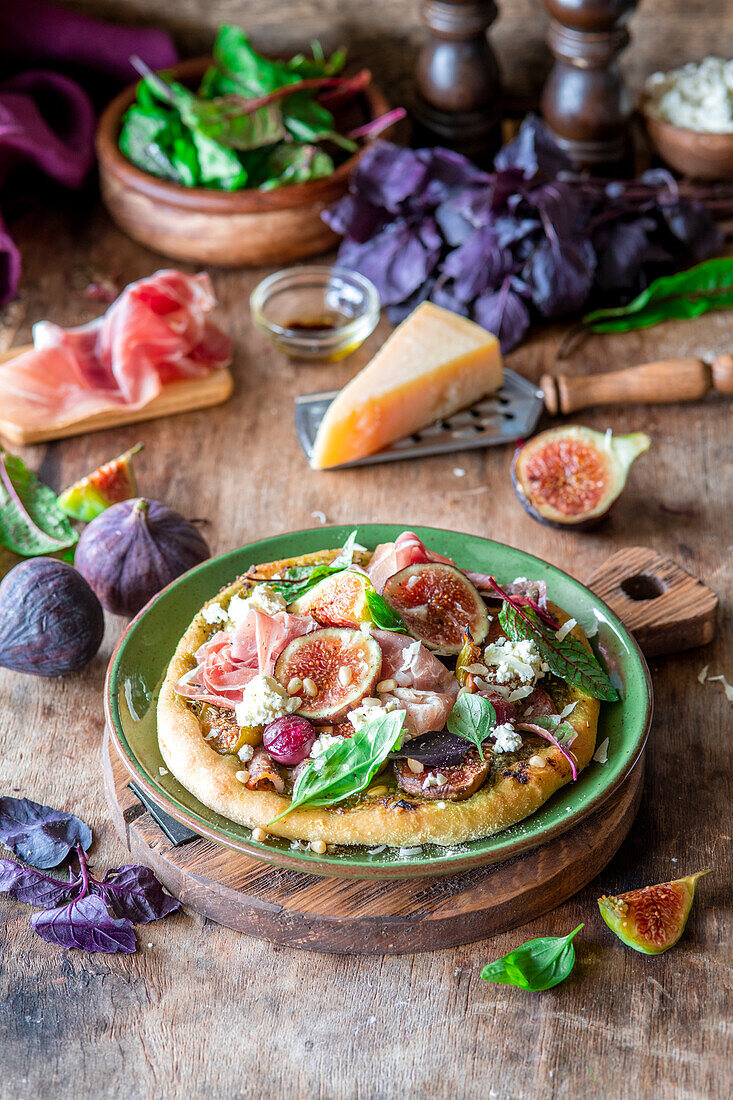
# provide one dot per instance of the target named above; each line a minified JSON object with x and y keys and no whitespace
{"x":176,"y":397}
{"x":369,"y":917}
{"x":209,"y":1013}
{"x":665,"y":608}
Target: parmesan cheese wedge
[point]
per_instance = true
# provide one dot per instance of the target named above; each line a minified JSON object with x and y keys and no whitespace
{"x":433,"y":364}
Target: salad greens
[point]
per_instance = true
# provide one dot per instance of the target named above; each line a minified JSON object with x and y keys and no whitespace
{"x":348,"y":765}
{"x":253,"y":123}
{"x":535,"y":965}
{"x":31,"y":521}
{"x":473,"y":718}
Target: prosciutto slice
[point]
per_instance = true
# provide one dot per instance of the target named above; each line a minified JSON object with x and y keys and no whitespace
{"x":156,"y":332}
{"x":411,"y":665}
{"x":232,"y":658}
{"x":424,"y":710}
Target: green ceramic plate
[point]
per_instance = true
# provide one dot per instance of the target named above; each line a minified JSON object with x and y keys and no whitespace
{"x":141,"y":658}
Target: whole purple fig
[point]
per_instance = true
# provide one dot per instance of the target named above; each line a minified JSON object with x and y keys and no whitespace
{"x":134,"y":549}
{"x":51,"y":622}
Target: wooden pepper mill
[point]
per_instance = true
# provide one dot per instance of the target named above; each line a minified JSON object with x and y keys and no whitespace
{"x":585,"y":102}
{"x":458,"y":85}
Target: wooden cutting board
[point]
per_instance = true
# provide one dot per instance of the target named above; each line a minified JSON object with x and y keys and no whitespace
{"x":176,"y":397}
{"x":667,"y":610}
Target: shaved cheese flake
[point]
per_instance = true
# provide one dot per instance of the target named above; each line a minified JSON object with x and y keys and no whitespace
{"x":727,"y":687}
{"x":565,"y":629}
{"x":703,"y":674}
{"x":568,"y":709}
{"x":601,"y":753}
{"x":410,"y":655}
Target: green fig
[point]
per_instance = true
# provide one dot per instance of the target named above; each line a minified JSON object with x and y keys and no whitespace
{"x":652,"y":919}
{"x":115,"y":481}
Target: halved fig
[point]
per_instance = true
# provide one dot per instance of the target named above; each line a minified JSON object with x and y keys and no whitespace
{"x":572,"y":476}
{"x":115,"y":481}
{"x":339,"y":600}
{"x":438,"y":605}
{"x":340,"y":667}
{"x":652,"y":919}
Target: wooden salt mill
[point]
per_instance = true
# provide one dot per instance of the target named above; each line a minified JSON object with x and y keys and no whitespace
{"x":458,"y":85}
{"x":585,"y":102}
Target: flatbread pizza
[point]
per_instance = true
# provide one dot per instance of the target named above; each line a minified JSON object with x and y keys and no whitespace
{"x":386,"y":698}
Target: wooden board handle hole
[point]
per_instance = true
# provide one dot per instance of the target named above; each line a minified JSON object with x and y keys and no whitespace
{"x":643,"y":586}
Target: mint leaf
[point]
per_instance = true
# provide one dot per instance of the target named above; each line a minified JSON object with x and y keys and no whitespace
{"x":567,"y":659}
{"x":383,"y":614}
{"x":535,"y":965}
{"x":472,"y":718}
{"x":348,"y":766}
{"x":31,"y":521}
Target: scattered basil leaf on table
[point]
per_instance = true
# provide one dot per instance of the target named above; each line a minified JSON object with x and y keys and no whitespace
{"x":473,"y":718}
{"x":568,"y":658}
{"x":346,"y":767}
{"x":31,"y":521}
{"x":383,"y":614}
{"x":87,"y":924}
{"x":687,"y":294}
{"x":39,"y":834}
{"x":535,"y":965}
{"x":33,"y":887}
{"x":134,"y":892}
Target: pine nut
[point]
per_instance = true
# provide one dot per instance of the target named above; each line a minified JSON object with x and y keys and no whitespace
{"x":536,"y":762}
{"x":375,"y":792}
{"x":345,"y":675}
{"x":386,"y":685}
{"x":370,"y":702}
{"x":415,"y":765}
{"x":242,"y":776}
{"x":309,"y":687}
{"x":294,"y":685}
{"x":259,"y":834}
{"x":318,"y":846}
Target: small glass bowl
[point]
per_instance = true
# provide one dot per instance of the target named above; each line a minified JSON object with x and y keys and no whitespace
{"x":341,"y":306}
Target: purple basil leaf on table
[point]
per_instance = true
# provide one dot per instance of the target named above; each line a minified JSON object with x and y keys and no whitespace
{"x":453,"y":223}
{"x":561,"y":275}
{"x":510,"y":230}
{"x":477,"y":265}
{"x":31,"y":886}
{"x":39,"y":834}
{"x":623,"y":248}
{"x":85,"y":924}
{"x":400,"y":310}
{"x":560,"y":208}
{"x":442,"y":296}
{"x":387,"y":175}
{"x":504,"y":313}
{"x":135,"y":893}
{"x":398,"y":260}
{"x":448,"y":174}
{"x":691,"y":224}
{"x":355,"y":217}
{"x":533,"y":152}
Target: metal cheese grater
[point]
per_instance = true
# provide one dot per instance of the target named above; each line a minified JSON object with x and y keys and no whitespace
{"x":510,"y":413}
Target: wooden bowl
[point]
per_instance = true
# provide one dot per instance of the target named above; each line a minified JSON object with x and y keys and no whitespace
{"x":219,"y":227}
{"x":692,"y":152}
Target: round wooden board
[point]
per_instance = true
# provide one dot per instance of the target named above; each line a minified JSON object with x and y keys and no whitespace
{"x":353,"y":916}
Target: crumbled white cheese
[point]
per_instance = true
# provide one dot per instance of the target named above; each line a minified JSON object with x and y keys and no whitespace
{"x":264,"y":700}
{"x":601,"y":753}
{"x":458,"y":471}
{"x":506,"y":738}
{"x":263,"y":597}
{"x":321,"y":744}
{"x":699,"y":96}
{"x":565,"y":629}
{"x":162,"y":771}
{"x":320,"y":516}
{"x":411,"y":851}
{"x":214,"y":613}
{"x":246,"y":753}
{"x":363,"y":714}
{"x":510,"y":661}
{"x":436,"y":779}
{"x":703,"y":674}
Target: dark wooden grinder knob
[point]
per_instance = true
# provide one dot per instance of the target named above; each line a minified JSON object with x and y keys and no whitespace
{"x":458,"y":86}
{"x":585,"y":102}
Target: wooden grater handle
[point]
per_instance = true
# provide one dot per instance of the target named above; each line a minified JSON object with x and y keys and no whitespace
{"x":652,"y":383}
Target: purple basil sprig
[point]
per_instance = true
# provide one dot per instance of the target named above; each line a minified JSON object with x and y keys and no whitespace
{"x":80,"y":911}
{"x":530,"y":240}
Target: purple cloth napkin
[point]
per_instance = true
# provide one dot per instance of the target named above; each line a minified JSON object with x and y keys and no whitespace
{"x":46,"y":118}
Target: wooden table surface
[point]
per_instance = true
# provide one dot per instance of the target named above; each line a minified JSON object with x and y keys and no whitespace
{"x":202,"y":1011}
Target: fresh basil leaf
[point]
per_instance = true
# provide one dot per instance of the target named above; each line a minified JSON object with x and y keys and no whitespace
{"x":134,"y":892}
{"x":34,"y":888}
{"x":567,"y":659}
{"x":706,"y":286}
{"x":31,"y":521}
{"x":473,"y":717}
{"x":535,"y":965}
{"x":39,"y":834}
{"x":347,"y":766}
{"x":86,"y":924}
{"x":383,"y":615}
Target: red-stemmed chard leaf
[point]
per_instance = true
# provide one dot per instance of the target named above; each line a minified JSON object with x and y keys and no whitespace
{"x":378,"y":125}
